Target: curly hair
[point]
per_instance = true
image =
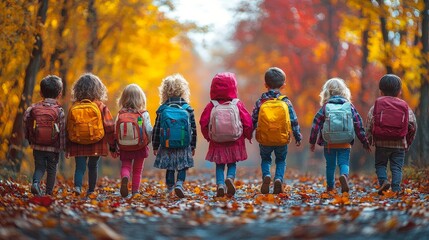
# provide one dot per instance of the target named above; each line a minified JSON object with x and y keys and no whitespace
{"x":89,"y":86}
{"x":334,"y":87}
{"x":174,"y":86}
{"x":132,"y":97}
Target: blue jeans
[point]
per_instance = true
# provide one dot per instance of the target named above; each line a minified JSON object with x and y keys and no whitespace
{"x":396,"y":157}
{"x":92,"y":171}
{"x":230,"y":173}
{"x":45,"y":161}
{"x":280,"y":153}
{"x":334,"y":156}
{"x":169,"y":177}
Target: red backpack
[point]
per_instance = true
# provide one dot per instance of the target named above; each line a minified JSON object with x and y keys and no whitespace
{"x":390,"y":118}
{"x":43,"y":124}
{"x":130,"y":132}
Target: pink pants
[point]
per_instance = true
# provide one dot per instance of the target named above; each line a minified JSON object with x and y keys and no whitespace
{"x":137,"y":166}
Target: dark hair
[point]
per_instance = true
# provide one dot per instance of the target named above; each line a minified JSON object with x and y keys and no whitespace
{"x":51,"y":86}
{"x":275,"y":77}
{"x":390,"y":85}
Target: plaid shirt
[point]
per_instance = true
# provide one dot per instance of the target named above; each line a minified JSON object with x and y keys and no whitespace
{"x":99,"y":148}
{"x":48,"y":101}
{"x":319,"y":119}
{"x":157,"y":127}
{"x":404,"y":143}
{"x":272,"y":93}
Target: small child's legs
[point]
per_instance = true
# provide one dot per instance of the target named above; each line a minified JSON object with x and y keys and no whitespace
{"x":396,"y":157}
{"x":332,"y":156}
{"x":220,"y":171}
{"x":169,"y":177}
{"x":45,"y":161}
{"x":137,"y":167}
{"x":280,"y":153}
{"x":92,"y":171}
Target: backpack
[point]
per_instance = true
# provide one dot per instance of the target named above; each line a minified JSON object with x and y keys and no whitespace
{"x":274,"y":126}
{"x":390,"y":118}
{"x":130,"y":132}
{"x":338,"y":126}
{"x":175,"y":127}
{"x":225,"y":122}
{"x":85,"y":123}
{"x":43,"y":124}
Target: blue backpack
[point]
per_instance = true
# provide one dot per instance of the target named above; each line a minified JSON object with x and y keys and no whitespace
{"x":175,"y":126}
{"x":338,"y":126}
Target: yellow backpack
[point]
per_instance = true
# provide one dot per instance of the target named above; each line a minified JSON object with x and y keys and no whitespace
{"x":85,"y":123}
{"x":274,"y":126}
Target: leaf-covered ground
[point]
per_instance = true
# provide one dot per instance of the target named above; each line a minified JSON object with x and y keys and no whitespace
{"x":303,"y":211}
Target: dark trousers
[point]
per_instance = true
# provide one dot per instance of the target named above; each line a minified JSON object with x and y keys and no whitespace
{"x":45,"y":161}
{"x":169,"y":177}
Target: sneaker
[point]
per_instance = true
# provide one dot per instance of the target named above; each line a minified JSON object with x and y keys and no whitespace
{"x":35,"y":189}
{"x":230,"y":188}
{"x":278,"y":186}
{"x":384,"y":187}
{"x":124,"y":187}
{"x":169,"y":189}
{"x":265,"y":188}
{"x":220,"y":192}
{"x":77,"y":190}
{"x":329,"y":189}
{"x":344,"y":183}
{"x":179,"y":191}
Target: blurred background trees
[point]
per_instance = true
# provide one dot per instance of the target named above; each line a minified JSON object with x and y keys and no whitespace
{"x":136,"y":41}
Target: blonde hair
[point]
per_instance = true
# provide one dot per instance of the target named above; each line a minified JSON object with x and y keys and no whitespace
{"x":334,"y":87}
{"x":174,"y":86}
{"x":88,"y":86}
{"x":132,"y":97}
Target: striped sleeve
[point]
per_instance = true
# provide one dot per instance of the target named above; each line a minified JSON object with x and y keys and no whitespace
{"x":318,"y":121}
{"x":359,"y":129}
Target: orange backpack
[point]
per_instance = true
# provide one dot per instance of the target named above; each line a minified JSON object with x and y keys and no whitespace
{"x":85,"y":123}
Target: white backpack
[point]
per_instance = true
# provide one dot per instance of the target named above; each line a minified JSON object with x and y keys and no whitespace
{"x":225,"y":123}
{"x":338,"y":126}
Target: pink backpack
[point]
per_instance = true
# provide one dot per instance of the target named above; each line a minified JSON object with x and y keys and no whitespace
{"x":130,"y":131}
{"x":390,"y":118}
{"x":225,"y":123}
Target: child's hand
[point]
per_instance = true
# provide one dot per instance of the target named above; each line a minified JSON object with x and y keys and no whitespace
{"x":367,"y":148}
{"x":114,"y":154}
{"x":250,"y":141}
{"x":155,"y":152}
{"x":312,"y":147}
{"x":298,"y":143}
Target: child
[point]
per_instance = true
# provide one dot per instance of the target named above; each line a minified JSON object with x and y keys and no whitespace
{"x":274,"y":119}
{"x":132,"y":140}
{"x":336,"y":123}
{"x":44,"y":124}
{"x":226,"y":143}
{"x":391,"y":126}
{"x":89,"y":127}
{"x":174,"y":136}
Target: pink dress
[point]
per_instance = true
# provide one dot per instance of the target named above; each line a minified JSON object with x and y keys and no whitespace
{"x":224,"y":88}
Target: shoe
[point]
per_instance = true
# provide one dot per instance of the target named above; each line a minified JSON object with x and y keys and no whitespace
{"x":220,"y":192}
{"x":278,"y":186}
{"x":124,"y":187}
{"x":35,"y":189}
{"x":169,"y":189}
{"x":178,"y":190}
{"x":344,"y":184}
{"x":384,"y":187}
{"x":329,"y":189}
{"x":265,"y":188}
{"x":77,"y":190}
{"x":230,"y":188}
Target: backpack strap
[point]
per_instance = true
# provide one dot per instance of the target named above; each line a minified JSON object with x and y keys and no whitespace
{"x":215,"y":103}
{"x":235,"y":101}
{"x":281,"y":97}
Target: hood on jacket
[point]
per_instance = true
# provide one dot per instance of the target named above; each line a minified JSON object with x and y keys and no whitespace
{"x":337,"y":99}
{"x":224,"y":86}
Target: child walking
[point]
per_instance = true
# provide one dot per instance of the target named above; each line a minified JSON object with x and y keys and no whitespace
{"x":274,"y":120}
{"x":44,"y":124}
{"x":336,"y":124}
{"x":89,"y":127}
{"x":132,"y":128}
{"x":174,"y":134}
{"x":225,"y":123}
{"x":391,"y":125}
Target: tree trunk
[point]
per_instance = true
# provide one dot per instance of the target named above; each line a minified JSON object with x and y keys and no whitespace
{"x":91,"y":21}
{"x":423,"y":109}
{"x":385,"y":37}
{"x":15,"y":153}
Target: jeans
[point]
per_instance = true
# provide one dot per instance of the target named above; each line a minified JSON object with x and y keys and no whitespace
{"x":334,"y":156}
{"x":137,"y":166}
{"x":280,"y":153}
{"x":396,"y":157}
{"x":220,"y":172}
{"x":45,"y":161}
{"x":169,"y":177}
{"x":92,"y":171}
